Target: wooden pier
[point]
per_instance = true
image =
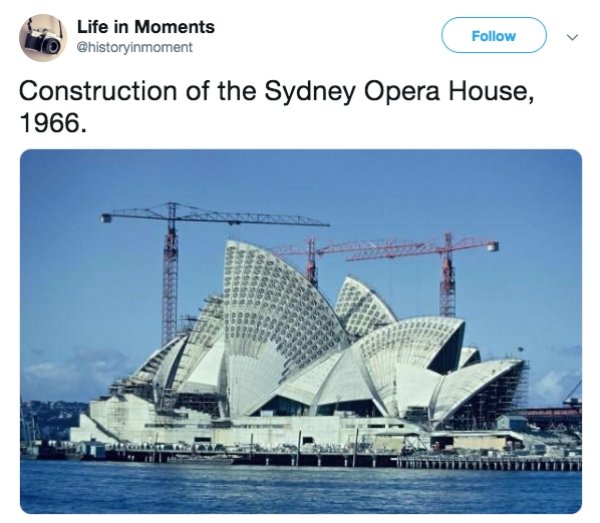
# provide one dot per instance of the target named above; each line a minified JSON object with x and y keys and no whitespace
{"x":370,"y":460}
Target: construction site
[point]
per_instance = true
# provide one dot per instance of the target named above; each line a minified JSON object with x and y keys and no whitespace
{"x":269,"y":363}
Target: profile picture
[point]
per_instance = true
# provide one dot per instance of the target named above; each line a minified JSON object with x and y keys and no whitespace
{"x":42,"y":38}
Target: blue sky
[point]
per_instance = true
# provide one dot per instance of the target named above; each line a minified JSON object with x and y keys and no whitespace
{"x":91,"y":293}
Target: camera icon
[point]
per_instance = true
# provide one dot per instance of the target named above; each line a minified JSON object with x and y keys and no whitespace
{"x":42,"y":38}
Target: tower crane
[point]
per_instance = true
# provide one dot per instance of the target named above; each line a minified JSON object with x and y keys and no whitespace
{"x":371,"y":250}
{"x":392,"y":249}
{"x":311,"y":252}
{"x":171,"y":212}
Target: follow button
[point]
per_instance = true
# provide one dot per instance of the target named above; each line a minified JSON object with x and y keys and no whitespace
{"x":518,"y":34}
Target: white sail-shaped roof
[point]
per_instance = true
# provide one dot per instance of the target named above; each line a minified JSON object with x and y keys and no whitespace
{"x":252,"y":378}
{"x":306,"y":384}
{"x":360,"y":309}
{"x":468,"y":356}
{"x":207,"y":329}
{"x":269,"y":307}
{"x":428,"y":342}
{"x":349,"y":381}
{"x":164,"y":375}
{"x":150,"y":367}
{"x":415,"y":387}
{"x":460,"y":386}
{"x":207,"y":374}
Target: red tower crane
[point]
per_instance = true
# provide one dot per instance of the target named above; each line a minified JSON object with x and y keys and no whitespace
{"x":393,"y":249}
{"x":371,"y":250}
{"x":311,"y":252}
{"x":168,"y":212}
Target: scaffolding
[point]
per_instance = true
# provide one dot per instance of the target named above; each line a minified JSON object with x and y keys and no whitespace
{"x":506,"y":395}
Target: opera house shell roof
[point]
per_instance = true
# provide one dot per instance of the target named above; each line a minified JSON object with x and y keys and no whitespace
{"x":272,"y":342}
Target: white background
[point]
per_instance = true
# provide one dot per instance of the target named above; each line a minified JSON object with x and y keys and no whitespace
{"x":329,"y":41}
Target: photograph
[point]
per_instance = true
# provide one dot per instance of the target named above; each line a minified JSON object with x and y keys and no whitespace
{"x":300,"y":331}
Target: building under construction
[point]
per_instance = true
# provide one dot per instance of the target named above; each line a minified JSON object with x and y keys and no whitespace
{"x":269,"y":357}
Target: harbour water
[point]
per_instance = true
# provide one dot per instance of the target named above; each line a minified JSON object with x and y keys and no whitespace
{"x":72,"y":487}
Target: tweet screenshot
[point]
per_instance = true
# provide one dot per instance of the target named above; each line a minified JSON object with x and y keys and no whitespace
{"x":310,"y":259}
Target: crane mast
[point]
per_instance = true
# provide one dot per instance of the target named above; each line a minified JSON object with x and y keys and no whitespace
{"x":310,"y":271}
{"x":171,"y":246}
{"x":170,"y":276}
{"x":448,"y":280}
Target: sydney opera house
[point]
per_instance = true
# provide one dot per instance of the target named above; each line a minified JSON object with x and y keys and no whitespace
{"x":271,"y":357}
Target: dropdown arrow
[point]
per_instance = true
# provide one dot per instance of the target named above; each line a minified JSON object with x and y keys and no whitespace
{"x":572,"y":37}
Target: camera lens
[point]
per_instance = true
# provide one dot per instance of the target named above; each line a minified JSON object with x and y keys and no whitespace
{"x":50,"y":46}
